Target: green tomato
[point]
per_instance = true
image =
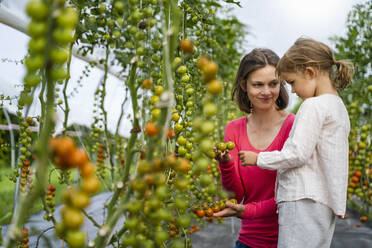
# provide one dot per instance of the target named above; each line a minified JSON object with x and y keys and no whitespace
{"x":37,"y":10}
{"x":119,"y":6}
{"x":32,"y":80}
{"x":181,"y":140}
{"x":177,"y":61}
{"x":178,"y":127}
{"x":141,"y":51}
{"x":36,"y":45}
{"x":63,"y":36}
{"x":221,"y":146}
{"x":175,"y":117}
{"x":68,"y":19}
{"x":205,"y":180}
{"x":160,"y":237}
{"x":152,"y":22}
{"x":163,"y":214}
{"x":155,"y":113}
{"x":182,"y":150}
{"x":116,"y":34}
{"x":101,"y":8}
{"x":230,"y":145}
{"x":148,"y":12}
{"x":181,"y":203}
{"x":210,"y":109}
{"x":156,"y":57}
{"x":59,"y":55}
{"x":58,"y":73}
{"x":184,"y":221}
{"x":75,"y":238}
{"x":161,"y":192}
{"x":131,"y":223}
{"x":185,"y":79}
{"x":182,"y":69}
{"x":129,"y":240}
{"x":207,"y":127}
{"x":177,"y":244}
{"x":140,"y":35}
{"x":36,"y":29}
{"x":189,"y":91}
{"x":34,"y":63}
{"x":206,"y":145}
{"x":156,"y":44}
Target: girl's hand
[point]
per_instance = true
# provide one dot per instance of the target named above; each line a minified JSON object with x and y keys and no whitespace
{"x":248,"y":158}
{"x":231,"y":210}
{"x":222,"y":156}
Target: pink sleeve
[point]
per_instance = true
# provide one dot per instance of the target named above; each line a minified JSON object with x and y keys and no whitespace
{"x":260,"y":209}
{"x":229,"y":171}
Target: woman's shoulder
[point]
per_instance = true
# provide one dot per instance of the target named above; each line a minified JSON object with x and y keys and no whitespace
{"x":236,"y":122}
{"x":289,"y":120}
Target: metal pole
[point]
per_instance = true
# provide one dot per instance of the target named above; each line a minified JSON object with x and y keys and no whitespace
{"x":13,"y":21}
{"x":12,"y":156}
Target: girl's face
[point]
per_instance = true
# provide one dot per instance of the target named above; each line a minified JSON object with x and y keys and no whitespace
{"x":262,"y":88}
{"x":302,"y":83}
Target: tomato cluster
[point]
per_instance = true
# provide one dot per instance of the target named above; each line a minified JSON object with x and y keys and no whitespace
{"x":101,"y":156}
{"x":26,"y":156}
{"x":25,"y":239}
{"x":67,"y":156}
{"x":50,"y":204}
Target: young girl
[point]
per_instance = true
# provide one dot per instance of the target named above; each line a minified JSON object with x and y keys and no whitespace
{"x":313,"y":164}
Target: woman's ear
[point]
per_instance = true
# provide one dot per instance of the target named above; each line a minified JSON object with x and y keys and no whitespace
{"x":243,"y":85}
{"x":311,"y":72}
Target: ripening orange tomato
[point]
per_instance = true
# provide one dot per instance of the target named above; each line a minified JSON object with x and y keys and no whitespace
{"x":209,"y":71}
{"x":200,"y":213}
{"x":78,"y":158}
{"x":363,"y":219}
{"x":209,"y":212}
{"x":146,"y":84}
{"x":202,"y":62}
{"x":171,"y":134}
{"x":87,"y":169}
{"x":62,"y":146}
{"x":151,"y":129}
{"x":186,"y":46}
{"x":90,"y":185}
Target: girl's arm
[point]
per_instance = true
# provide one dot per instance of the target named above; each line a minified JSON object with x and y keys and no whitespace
{"x":229,"y":171}
{"x":260,"y":209}
{"x":301,"y":143}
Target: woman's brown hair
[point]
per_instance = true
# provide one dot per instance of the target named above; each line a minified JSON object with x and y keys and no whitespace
{"x":306,"y":52}
{"x":256,"y":59}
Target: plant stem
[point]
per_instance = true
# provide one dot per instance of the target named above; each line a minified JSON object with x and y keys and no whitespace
{"x":132,"y":140}
{"x":95,"y":223}
{"x":67,"y":108}
{"x":42,"y":148}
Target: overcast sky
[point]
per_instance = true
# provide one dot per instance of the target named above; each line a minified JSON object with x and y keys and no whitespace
{"x":274,"y":24}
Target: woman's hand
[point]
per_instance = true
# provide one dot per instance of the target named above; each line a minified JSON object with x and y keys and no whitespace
{"x":248,"y":158}
{"x":231,"y":210}
{"x":222,"y":156}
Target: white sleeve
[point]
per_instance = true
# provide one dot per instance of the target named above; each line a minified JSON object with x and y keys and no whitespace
{"x":301,"y":142}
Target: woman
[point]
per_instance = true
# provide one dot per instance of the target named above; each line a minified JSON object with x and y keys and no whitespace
{"x":265,"y":128}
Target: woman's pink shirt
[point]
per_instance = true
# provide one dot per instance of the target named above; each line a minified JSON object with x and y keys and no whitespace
{"x":254,"y":186}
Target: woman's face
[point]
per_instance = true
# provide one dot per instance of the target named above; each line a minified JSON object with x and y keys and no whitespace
{"x":263,"y":88}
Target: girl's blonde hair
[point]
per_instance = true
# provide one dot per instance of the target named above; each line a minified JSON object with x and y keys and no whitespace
{"x":307,"y":52}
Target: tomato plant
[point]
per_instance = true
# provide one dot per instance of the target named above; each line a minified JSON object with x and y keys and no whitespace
{"x":356,"y":46}
{"x":177,"y":60}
